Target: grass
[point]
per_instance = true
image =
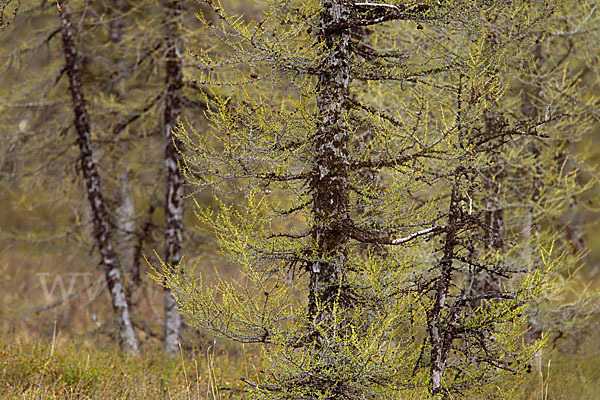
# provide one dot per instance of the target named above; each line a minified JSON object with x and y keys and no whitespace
{"x":567,"y":376}
{"x":62,"y":354}
{"x":70,"y":370}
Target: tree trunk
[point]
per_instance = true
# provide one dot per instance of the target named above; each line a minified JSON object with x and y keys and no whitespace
{"x":126,"y":205}
{"x":126,"y":224}
{"x":330,"y":174}
{"x":440,"y":326}
{"x":482,"y":281}
{"x":174,"y":190}
{"x":110,"y":262}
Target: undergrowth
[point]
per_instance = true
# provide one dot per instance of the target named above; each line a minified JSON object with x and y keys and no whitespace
{"x":70,"y":369}
{"x":51,"y":370}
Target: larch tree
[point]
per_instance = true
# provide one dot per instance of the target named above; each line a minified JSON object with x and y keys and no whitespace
{"x":537,"y":182}
{"x":131,"y":74}
{"x":561,"y":79}
{"x":101,"y":225}
{"x":352,"y":149}
{"x":170,"y":98}
{"x":44,"y":128}
{"x":8,"y":12}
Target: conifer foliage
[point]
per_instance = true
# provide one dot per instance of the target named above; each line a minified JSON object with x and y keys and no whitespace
{"x":351,"y":152}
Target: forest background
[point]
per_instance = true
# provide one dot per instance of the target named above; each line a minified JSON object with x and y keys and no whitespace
{"x":58,"y":326}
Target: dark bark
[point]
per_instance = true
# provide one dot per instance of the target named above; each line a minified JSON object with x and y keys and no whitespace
{"x":174,"y":189}
{"x":329,"y":182}
{"x":484,"y":283}
{"x":440,"y":326}
{"x":135,"y":276}
{"x":91,"y":177}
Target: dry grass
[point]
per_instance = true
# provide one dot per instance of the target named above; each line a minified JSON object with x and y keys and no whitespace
{"x":61,"y":369}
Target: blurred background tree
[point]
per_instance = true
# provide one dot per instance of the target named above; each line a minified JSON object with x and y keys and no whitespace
{"x":124,"y":76}
{"x":532,"y":188}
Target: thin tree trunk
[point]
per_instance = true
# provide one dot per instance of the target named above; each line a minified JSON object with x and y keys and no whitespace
{"x":110,"y":262}
{"x":440,"y":327}
{"x":329,"y":183}
{"x":483,"y":282}
{"x":126,"y":205}
{"x":532,"y":98}
{"x":174,"y":190}
{"x":143,"y":235}
{"x":126,"y":224}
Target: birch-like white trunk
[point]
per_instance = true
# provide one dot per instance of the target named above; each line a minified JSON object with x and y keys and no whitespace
{"x":483,"y":282}
{"x":174,"y":189}
{"x":101,"y":225}
{"x":126,"y":223}
{"x":126,"y":205}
